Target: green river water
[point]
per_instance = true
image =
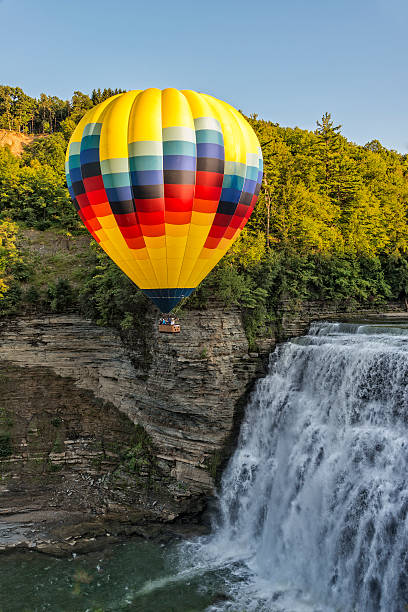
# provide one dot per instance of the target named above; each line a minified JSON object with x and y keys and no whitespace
{"x":134,"y":576}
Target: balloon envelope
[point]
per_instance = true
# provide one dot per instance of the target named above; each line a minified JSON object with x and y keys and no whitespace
{"x":164,"y":181}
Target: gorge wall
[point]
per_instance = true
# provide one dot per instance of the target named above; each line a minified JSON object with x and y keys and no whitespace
{"x":93,"y":424}
{"x":71,"y":393}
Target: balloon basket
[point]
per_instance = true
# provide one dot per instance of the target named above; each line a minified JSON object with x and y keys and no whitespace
{"x":169,"y":329}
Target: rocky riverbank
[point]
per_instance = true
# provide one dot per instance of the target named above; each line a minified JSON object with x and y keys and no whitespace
{"x":60,"y":533}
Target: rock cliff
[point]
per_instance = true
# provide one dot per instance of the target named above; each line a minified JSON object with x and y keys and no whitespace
{"x":71,"y":394}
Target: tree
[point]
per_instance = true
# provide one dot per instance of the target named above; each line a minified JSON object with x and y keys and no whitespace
{"x":47,"y":151}
{"x":99,"y":96}
{"x":80,"y":103}
{"x":329,"y":149}
{"x":6,"y":117}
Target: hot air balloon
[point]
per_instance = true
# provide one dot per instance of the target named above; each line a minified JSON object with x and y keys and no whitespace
{"x":164,"y":181}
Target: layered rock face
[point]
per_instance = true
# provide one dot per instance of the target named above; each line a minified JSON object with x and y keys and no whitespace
{"x":94,"y":422}
{"x":296,"y":318}
{"x":72,"y":392}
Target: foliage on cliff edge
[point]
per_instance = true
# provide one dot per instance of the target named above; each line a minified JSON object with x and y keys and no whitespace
{"x":9,"y":255}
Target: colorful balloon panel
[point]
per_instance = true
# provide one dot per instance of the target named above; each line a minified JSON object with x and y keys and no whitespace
{"x":164,"y":181}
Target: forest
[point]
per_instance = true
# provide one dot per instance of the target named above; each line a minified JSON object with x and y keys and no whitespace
{"x":330,"y":224}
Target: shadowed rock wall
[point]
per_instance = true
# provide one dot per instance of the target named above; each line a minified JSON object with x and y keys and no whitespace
{"x":184,"y":394}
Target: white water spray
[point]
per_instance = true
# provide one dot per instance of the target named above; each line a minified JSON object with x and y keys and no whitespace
{"x":313,"y":504}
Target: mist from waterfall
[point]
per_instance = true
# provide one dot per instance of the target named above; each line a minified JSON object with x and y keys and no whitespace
{"x":312,"y":511}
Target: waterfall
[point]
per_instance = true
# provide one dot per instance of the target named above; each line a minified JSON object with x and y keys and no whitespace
{"x":312,"y":511}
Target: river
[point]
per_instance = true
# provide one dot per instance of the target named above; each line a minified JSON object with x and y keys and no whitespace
{"x":312,"y":509}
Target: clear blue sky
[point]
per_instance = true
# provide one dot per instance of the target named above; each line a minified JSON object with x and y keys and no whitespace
{"x":287,"y":60}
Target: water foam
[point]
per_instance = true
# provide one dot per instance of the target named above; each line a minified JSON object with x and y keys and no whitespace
{"x":313,"y":504}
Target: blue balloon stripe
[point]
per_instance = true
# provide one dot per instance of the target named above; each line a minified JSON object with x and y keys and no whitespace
{"x":230,"y":194}
{"x":209,"y":149}
{"x":147,"y":177}
{"x":88,"y":156}
{"x":249,"y":186}
{"x":119,"y":194}
{"x":179,"y":162}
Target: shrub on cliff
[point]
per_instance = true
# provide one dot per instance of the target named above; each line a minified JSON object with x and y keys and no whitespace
{"x":9,"y":255}
{"x":6,"y":448}
{"x":109,"y":296}
{"x":61,"y":296}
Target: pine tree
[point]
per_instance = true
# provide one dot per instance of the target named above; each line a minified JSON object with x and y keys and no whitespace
{"x":329,"y":148}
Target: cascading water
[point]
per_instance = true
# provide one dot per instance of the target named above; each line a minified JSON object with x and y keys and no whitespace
{"x":313,"y":504}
